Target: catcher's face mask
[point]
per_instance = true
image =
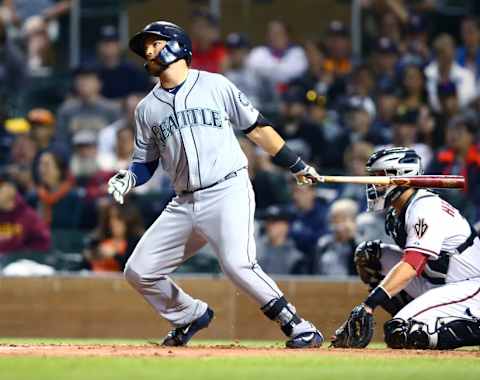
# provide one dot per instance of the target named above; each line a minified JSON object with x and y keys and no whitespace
{"x":377,"y":194}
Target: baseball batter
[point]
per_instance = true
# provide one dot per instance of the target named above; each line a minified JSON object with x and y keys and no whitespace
{"x":186,"y":123}
{"x":430,"y":283}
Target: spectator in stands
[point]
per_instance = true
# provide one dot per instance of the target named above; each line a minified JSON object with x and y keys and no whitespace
{"x":120,"y":159}
{"x":334,"y":254}
{"x":362,"y":82}
{"x":21,"y":229}
{"x":414,"y":94}
{"x":20,"y":11}
{"x":387,"y":104}
{"x":384,"y":63}
{"x":426,"y":127}
{"x":338,"y":50}
{"x":209,"y":53}
{"x":416,"y":42}
{"x":256,"y":88}
{"x":405,"y":133}
{"x":113,"y":241}
{"x":12,"y":72}
{"x":444,"y":69}
{"x":58,"y":202}
{"x":87,"y":109}
{"x":276,"y":252}
{"x":280,"y":60}
{"x":450,"y":107}
{"x":83,"y":163}
{"x":23,"y":150}
{"x":42,"y":130}
{"x":468,"y":55}
{"x":107,"y":137}
{"x":315,"y":78}
{"x":269,"y":181}
{"x":391,"y":26}
{"x":302,"y":135}
{"x":21,"y":165}
{"x":40,"y":58}
{"x":461,"y":156}
{"x":355,"y":158}
{"x":358,"y":118}
{"x":319,"y":127}
{"x":309,"y":221}
{"x":119,"y":76}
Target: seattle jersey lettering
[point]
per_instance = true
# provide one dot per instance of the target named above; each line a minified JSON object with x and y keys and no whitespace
{"x":190,"y":117}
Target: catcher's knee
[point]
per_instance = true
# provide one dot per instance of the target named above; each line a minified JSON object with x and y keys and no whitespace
{"x":406,"y":334}
{"x":396,"y":333}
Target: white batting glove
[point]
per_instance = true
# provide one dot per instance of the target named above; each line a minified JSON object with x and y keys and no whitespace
{"x":307,"y":176}
{"x":120,"y":184}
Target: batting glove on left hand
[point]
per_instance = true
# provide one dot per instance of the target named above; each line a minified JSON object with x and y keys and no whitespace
{"x":307,"y":176}
{"x":120,"y":184}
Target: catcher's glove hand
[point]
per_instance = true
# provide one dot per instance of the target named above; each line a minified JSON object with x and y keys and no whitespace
{"x":367,"y":261}
{"x":120,"y":184}
{"x":356,"y":331}
{"x":307,"y":176}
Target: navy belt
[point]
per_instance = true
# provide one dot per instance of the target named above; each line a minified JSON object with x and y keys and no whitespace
{"x":227,"y":177}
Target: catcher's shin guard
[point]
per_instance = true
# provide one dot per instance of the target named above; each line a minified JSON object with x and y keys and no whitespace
{"x":457,"y":333}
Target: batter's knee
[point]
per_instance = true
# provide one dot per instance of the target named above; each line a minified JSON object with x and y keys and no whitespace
{"x":133,"y":277}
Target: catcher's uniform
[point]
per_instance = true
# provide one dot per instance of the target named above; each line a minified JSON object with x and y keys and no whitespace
{"x":449,"y":286}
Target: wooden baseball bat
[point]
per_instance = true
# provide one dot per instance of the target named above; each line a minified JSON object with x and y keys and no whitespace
{"x":418,"y":181}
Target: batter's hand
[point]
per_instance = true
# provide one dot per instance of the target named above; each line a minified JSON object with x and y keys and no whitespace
{"x":120,"y":184}
{"x":307,"y":176}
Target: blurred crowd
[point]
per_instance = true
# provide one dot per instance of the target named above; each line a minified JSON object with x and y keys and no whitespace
{"x":64,"y":132}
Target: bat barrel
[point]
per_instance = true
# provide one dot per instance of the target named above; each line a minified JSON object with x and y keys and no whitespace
{"x":433,"y":181}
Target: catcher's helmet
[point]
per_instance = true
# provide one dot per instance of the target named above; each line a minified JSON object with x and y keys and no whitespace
{"x":390,"y":162}
{"x":179,"y":45}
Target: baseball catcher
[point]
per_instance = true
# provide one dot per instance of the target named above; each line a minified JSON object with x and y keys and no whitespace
{"x":430,"y":281}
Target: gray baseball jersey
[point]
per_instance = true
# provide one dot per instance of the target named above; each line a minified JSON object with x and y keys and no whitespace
{"x":191,"y":132}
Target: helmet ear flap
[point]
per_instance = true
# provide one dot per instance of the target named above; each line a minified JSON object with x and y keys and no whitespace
{"x":172,"y":52}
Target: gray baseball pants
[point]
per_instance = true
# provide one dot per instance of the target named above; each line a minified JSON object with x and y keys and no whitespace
{"x":223,"y":216}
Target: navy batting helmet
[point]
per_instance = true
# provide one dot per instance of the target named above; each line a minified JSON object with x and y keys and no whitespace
{"x":178,"y":44}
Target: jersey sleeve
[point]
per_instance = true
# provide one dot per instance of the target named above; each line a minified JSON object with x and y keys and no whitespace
{"x":424,"y":227}
{"x":145,"y":146}
{"x":240,"y":110}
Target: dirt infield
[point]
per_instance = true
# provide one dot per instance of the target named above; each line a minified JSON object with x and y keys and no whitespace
{"x":124,"y":350}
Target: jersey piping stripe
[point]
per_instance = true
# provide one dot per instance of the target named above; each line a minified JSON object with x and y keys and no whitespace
{"x":180,"y":132}
{"x":446,"y":303}
{"x":191,"y":131}
{"x":419,"y":249}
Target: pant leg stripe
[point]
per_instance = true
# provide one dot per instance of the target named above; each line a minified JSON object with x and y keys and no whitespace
{"x":446,"y":303}
{"x":249,"y":222}
{"x":266,"y":282}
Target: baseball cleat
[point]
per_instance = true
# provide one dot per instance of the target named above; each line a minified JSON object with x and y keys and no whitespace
{"x":312,"y":339}
{"x":181,"y":335}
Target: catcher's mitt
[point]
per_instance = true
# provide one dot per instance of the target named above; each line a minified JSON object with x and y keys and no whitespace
{"x":356,"y":331}
{"x":367,"y":261}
